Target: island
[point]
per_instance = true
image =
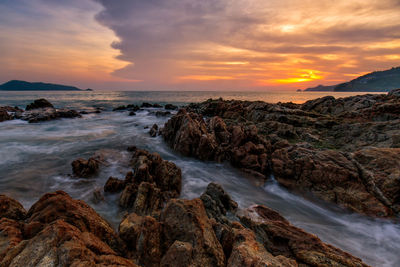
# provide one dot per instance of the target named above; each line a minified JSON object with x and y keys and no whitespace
{"x":377,"y":81}
{"x":16,"y":85}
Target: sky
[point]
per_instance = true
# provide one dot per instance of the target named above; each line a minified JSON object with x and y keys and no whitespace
{"x":197,"y":45}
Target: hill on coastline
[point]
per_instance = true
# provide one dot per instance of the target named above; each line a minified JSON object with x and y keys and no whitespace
{"x":16,"y":85}
{"x":377,"y":81}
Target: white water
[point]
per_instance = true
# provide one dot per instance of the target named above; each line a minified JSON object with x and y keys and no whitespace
{"x":35,"y":159}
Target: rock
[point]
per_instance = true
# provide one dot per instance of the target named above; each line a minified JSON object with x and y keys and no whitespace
{"x":98,"y":196}
{"x":60,"y":206}
{"x":148,"y":200}
{"x":217,"y":203}
{"x":395,"y":92}
{"x":132,"y":113}
{"x":187,"y":221}
{"x":11,"y":234}
{"x":154,"y":130}
{"x":85,"y":168}
{"x":46,"y":114}
{"x":162,"y":113}
{"x":142,"y":236}
{"x":114,"y":185}
{"x":148,"y":105}
{"x":281,"y":238}
{"x":247,"y":251}
{"x":179,"y":254}
{"x":330,"y":175}
{"x":170,"y":107}
{"x":11,"y":209}
{"x":61,"y":244}
{"x":39,"y":103}
{"x":4,"y":115}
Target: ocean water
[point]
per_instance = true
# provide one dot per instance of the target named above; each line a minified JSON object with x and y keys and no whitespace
{"x":36,"y":158}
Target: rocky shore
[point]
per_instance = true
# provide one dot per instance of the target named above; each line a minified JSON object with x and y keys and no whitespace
{"x":345,"y":151}
{"x":158,"y":230}
{"x":39,"y":110}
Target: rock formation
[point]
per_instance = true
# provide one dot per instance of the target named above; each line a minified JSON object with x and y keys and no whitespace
{"x":326,"y":146}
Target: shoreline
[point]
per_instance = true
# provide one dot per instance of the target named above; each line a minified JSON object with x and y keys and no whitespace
{"x":213,"y":129}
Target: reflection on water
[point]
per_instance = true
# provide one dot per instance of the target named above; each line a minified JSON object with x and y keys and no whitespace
{"x":36,"y":158}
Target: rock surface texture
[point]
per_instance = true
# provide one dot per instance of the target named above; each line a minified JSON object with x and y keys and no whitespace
{"x":333,"y":148}
{"x":39,"y":110}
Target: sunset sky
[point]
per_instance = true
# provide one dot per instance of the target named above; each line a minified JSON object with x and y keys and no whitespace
{"x":197,"y":45}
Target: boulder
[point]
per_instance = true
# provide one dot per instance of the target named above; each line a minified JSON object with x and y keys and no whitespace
{"x":154,"y":130}
{"x":217,"y":203}
{"x":114,"y":185}
{"x":60,"y":206}
{"x":62,"y":244}
{"x":39,"y":103}
{"x":85,"y":168}
{"x":11,"y":209}
{"x":187,"y":221}
{"x":170,"y":107}
{"x":281,"y":238}
{"x":330,"y":175}
{"x":142,"y":234}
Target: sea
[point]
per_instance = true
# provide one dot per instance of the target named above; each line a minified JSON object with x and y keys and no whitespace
{"x":36,"y":159}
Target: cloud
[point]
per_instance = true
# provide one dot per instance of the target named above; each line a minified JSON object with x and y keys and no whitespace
{"x":175,"y":42}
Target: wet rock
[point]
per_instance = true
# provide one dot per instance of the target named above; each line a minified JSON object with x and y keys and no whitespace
{"x":148,"y":200}
{"x":247,"y":251}
{"x":154,"y":130}
{"x":62,"y":244}
{"x":130,"y":107}
{"x":132,"y":113}
{"x":281,"y":238}
{"x":148,"y":105}
{"x":85,"y":168}
{"x":170,"y":107}
{"x":47,"y":113}
{"x":330,"y":175}
{"x":4,"y":115}
{"x":60,"y":206}
{"x":142,"y":235}
{"x":39,"y":103}
{"x":162,"y":113}
{"x":11,"y":234}
{"x":98,"y":196}
{"x":187,"y":221}
{"x":217,"y":202}
{"x":11,"y":209}
{"x":179,"y":254}
{"x":114,"y":185}
{"x":395,"y":92}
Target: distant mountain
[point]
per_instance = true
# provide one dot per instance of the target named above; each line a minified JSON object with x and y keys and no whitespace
{"x":15,"y":85}
{"x":377,"y":81}
{"x":321,"y":88}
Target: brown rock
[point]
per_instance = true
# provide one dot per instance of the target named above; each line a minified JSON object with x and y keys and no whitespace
{"x":85,"y":168}
{"x":39,"y":103}
{"x":187,"y":221}
{"x":329,"y":174}
{"x":154,"y":130}
{"x":148,"y":200}
{"x":179,"y":254}
{"x":11,"y":209}
{"x":10,"y":235}
{"x":114,"y":185}
{"x":61,"y":244}
{"x":142,"y":235}
{"x":59,"y":205}
{"x":281,"y":238}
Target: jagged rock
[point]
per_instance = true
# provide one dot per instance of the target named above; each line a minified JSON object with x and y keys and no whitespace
{"x":217,"y":202}
{"x":114,"y":185}
{"x":179,"y":254}
{"x":85,"y":168}
{"x":59,"y":205}
{"x":154,"y":130}
{"x":142,"y":235}
{"x":62,"y":244}
{"x":248,"y":252}
{"x":153,"y":182}
{"x":187,"y":221}
{"x":281,"y":238}
{"x":39,"y":103}
{"x":98,"y":196}
{"x":11,"y":234}
{"x":4,"y":115}
{"x":329,"y":174}
{"x":170,"y":107}
{"x":11,"y":209}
